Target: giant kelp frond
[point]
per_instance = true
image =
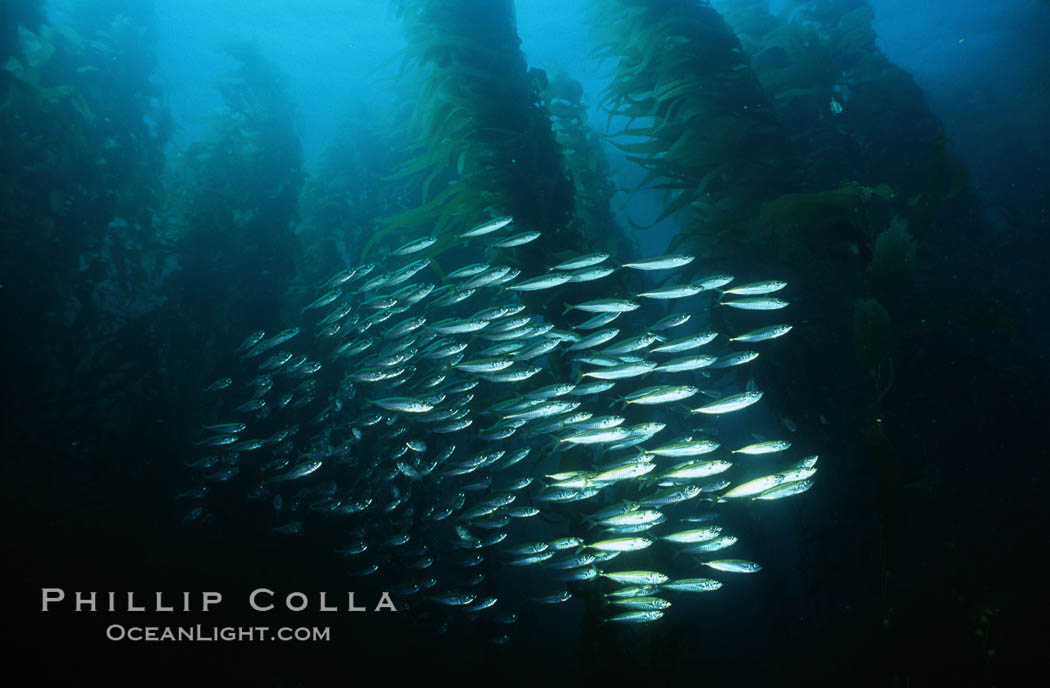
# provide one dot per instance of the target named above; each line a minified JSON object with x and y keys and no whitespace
{"x":16,"y":15}
{"x":848,"y":112}
{"x":84,"y":126}
{"x":892,"y":261}
{"x":585,"y":163}
{"x":344,"y":194}
{"x":696,"y":117}
{"x":481,"y":136}
{"x":84,"y":129}
{"x":234,"y":199}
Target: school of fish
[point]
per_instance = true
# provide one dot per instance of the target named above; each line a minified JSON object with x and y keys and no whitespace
{"x":446,"y":427}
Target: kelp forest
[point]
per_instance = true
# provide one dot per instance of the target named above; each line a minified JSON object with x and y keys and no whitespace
{"x":782,"y":144}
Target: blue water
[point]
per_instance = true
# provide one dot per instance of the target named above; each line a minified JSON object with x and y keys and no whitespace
{"x":915,"y":560}
{"x":981,"y":65}
{"x":982,"y":68}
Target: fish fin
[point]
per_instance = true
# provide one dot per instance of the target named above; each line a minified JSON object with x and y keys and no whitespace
{"x":568,"y":307}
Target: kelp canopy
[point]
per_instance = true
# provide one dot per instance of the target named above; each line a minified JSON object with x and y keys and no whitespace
{"x":585,"y":163}
{"x":345,"y":194}
{"x":746,"y":135}
{"x":28,"y":14}
{"x":233,"y":204}
{"x":483,"y":138}
{"x":128,"y":285}
{"x":848,"y":112}
{"x":84,"y":126}
{"x":709,"y":136}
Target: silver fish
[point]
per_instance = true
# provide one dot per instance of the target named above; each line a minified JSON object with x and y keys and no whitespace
{"x":666,"y":262}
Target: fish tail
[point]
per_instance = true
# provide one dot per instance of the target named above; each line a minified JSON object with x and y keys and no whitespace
{"x":568,"y":307}
{"x":685,"y":410}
